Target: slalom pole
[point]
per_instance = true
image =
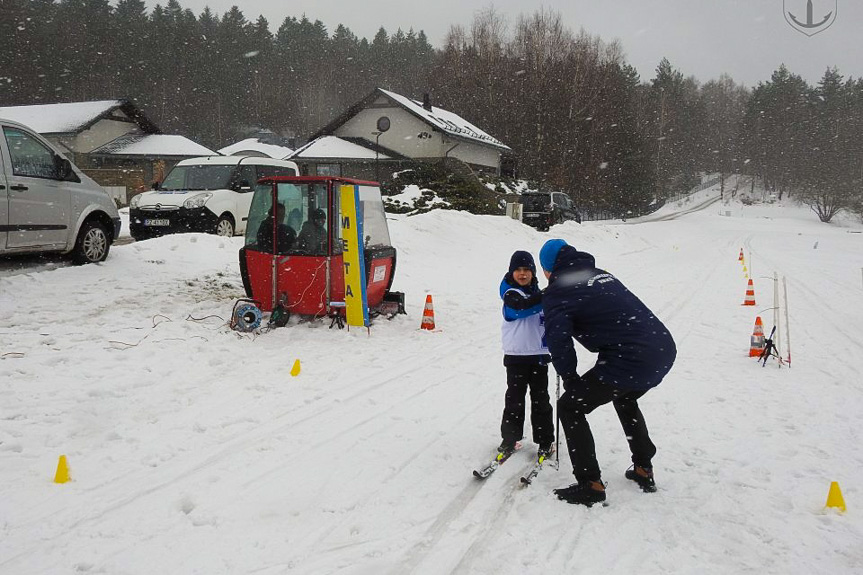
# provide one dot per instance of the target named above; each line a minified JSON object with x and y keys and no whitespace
{"x":787,"y":325}
{"x":557,"y":431}
{"x":776,"y":316}
{"x":751,"y":271}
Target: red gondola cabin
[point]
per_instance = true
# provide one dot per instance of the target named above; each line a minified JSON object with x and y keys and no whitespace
{"x":305,"y":271}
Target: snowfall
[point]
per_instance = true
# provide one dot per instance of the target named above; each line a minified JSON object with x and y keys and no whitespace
{"x":192,"y":449}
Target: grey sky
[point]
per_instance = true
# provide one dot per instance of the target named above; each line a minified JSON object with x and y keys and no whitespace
{"x":747,"y":39}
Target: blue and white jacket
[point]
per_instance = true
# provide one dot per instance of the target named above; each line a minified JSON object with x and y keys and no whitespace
{"x":523,"y":329}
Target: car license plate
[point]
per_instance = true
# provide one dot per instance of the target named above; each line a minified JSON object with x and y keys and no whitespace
{"x":157,"y":222}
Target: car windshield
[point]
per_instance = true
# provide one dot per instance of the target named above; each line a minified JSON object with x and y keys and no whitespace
{"x":536,"y":202}
{"x":197,"y":177}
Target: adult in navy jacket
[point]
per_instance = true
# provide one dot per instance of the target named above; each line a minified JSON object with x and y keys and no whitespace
{"x":635,"y":351}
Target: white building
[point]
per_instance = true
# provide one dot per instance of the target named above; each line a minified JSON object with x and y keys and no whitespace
{"x":386,"y":128}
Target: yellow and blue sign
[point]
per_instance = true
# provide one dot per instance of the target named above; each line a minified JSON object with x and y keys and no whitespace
{"x":356,"y":302}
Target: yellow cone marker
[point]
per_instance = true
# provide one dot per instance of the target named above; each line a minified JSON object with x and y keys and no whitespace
{"x":62,"y":475}
{"x":295,"y":371}
{"x":834,"y":497}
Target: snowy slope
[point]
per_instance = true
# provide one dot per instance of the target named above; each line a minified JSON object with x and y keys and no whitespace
{"x":193,"y":450}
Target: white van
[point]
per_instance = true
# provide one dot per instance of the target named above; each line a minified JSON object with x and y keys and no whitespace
{"x":210,"y":194}
{"x":47,"y":204}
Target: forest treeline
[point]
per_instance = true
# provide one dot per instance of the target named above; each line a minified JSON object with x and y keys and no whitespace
{"x":577,"y":116}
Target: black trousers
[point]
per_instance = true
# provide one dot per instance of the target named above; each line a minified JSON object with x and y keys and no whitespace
{"x":520,"y":378}
{"x":588,"y":394}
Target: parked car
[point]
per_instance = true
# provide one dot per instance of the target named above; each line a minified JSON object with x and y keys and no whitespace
{"x":210,"y":194}
{"x":47,"y":204}
{"x":545,"y":209}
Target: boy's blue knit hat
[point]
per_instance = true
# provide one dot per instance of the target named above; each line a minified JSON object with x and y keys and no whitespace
{"x":548,"y":253}
{"x":522,"y":259}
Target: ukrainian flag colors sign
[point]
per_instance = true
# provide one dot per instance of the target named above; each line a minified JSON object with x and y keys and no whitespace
{"x":356,"y":303}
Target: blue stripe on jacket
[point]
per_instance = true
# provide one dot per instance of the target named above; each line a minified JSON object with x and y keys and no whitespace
{"x":512,"y":313}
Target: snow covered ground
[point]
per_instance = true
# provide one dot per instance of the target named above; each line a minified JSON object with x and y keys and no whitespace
{"x":193,"y":450}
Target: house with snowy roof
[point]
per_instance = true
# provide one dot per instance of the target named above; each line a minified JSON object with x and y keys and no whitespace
{"x":386,"y":131}
{"x":112,"y":141}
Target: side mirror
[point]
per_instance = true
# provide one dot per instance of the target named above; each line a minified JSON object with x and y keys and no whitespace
{"x":155,"y":186}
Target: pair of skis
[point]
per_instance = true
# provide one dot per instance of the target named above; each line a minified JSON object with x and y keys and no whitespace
{"x":528,"y":477}
{"x":501,"y":458}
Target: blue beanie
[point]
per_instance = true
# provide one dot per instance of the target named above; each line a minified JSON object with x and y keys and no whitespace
{"x":548,"y":253}
{"x":521,"y":259}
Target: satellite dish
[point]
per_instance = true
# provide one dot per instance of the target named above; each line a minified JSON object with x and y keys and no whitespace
{"x":383,"y":124}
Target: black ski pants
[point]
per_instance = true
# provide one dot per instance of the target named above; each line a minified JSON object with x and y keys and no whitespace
{"x":583,"y":396}
{"x":520,"y":378}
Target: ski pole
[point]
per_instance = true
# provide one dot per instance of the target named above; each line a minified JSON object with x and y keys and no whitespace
{"x":557,"y":431}
{"x":787,"y":325}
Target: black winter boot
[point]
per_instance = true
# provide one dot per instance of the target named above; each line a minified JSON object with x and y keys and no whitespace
{"x":586,"y":493}
{"x":643,"y":476}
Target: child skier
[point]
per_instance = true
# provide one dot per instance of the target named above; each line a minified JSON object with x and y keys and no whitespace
{"x":526,"y":357}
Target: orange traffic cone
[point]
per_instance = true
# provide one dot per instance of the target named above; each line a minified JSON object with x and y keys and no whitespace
{"x":428,"y":315}
{"x":756,"y":342}
{"x":750,"y":294}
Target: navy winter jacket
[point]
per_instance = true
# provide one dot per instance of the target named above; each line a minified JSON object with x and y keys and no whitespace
{"x":591,"y":305}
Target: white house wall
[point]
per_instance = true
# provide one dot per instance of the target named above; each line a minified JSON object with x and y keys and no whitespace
{"x":99,"y":134}
{"x":404,"y":137}
{"x":475,"y":154}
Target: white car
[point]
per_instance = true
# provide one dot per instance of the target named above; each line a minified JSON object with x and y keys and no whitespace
{"x":210,"y":194}
{"x":47,"y":204}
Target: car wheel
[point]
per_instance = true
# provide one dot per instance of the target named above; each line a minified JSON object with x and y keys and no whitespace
{"x":92,"y":244}
{"x":225,"y":227}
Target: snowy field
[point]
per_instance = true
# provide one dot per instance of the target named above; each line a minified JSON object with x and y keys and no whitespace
{"x":192,"y":449}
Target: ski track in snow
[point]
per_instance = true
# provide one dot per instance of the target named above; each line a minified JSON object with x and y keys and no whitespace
{"x":193,"y":451}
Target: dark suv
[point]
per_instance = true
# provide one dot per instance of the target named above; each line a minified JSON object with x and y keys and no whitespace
{"x":544,"y":209}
